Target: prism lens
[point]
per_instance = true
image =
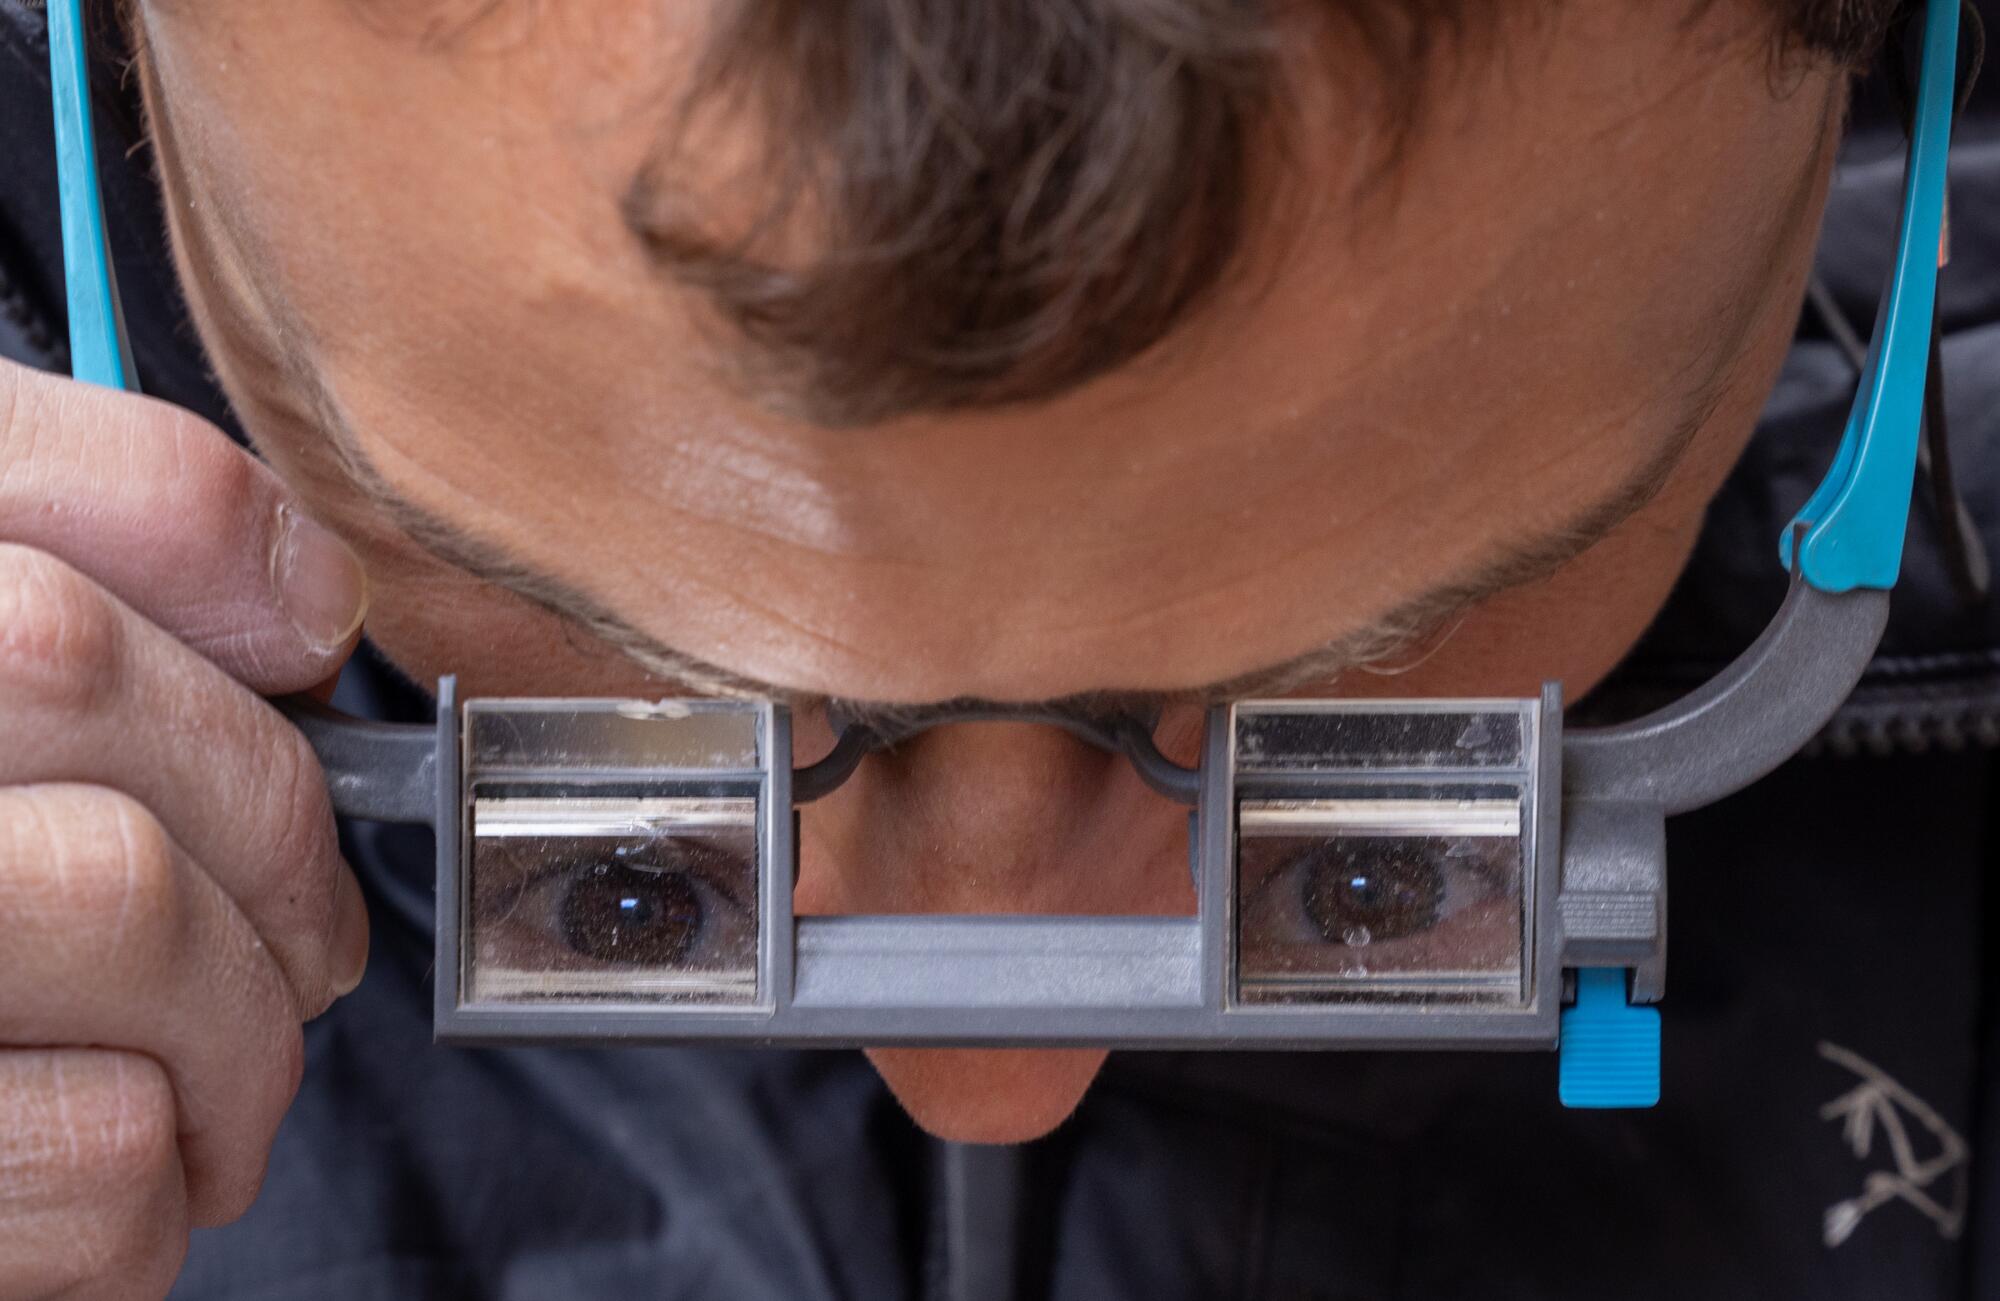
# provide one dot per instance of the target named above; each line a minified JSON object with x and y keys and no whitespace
{"x":644,"y":899}
{"x":611,"y":853}
{"x":1383,"y":850}
{"x":1392,"y":898}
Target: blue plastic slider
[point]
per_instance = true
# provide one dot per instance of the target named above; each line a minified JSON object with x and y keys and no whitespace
{"x":98,"y":349}
{"x":1855,"y":520}
{"x":1609,"y":1054}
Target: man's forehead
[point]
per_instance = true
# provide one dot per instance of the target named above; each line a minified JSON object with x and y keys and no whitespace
{"x":1378,"y":412}
{"x":950,"y":556}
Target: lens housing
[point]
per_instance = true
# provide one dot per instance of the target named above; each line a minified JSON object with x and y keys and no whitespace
{"x":1384,"y":852}
{"x":615,"y":856}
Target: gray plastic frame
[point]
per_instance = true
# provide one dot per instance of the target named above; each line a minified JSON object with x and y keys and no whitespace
{"x":1596,"y":893}
{"x":456,"y":1019}
{"x":1159,"y":982}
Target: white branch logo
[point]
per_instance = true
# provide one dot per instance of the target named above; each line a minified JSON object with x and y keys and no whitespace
{"x":1880,"y":1103}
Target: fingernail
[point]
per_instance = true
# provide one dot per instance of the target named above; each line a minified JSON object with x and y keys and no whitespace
{"x":322,"y":584}
{"x":347,"y":951}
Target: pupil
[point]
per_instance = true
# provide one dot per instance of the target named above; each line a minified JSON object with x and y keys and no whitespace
{"x":615,"y":913}
{"x":1385,"y":894}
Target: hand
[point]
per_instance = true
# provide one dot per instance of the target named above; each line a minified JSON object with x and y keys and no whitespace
{"x":172,"y":900}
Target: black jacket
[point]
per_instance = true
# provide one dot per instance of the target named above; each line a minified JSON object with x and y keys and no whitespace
{"x":1830,"y":989}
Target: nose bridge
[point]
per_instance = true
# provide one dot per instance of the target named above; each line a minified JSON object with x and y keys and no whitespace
{"x":985,"y":816}
{"x":995,"y":795}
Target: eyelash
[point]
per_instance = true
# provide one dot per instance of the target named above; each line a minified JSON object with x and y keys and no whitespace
{"x":705,"y":872}
{"x":1471,"y":878}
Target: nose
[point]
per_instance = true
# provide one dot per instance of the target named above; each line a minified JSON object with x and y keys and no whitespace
{"x":994,"y":817}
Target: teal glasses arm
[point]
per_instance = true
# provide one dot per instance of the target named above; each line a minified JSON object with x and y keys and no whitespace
{"x":98,"y":349}
{"x":1853,"y":525}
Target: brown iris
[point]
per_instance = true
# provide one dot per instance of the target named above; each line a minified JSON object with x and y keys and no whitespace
{"x":1355,"y":893}
{"x":615,"y":913}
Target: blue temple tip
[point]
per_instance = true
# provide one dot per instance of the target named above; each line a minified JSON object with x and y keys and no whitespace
{"x":1609,"y":1055}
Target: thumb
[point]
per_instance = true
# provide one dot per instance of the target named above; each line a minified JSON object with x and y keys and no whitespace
{"x":161,"y":509}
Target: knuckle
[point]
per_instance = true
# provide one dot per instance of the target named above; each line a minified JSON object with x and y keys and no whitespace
{"x":83,"y":1124}
{"x":61,"y":639}
{"x":98,"y":860}
{"x":127,"y":1182}
{"x":211,"y":475}
{"x":124,"y":1131}
{"x":92,"y":1200}
{"x":140,"y":886}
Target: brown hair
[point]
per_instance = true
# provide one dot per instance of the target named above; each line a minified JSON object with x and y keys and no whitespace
{"x":966,"y":204}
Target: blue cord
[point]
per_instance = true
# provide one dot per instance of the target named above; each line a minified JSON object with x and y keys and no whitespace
{"x":98,"y":349}
{"x":1855,"y":520}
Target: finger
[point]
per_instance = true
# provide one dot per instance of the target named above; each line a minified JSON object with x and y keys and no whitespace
{"x":92,"y":693}
{"x":92,"y":1202}
{"x":115,"y":938}
{"x":181,"y":524}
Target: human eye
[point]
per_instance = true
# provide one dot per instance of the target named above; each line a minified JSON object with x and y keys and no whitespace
{"x":645,"y":908}
{"x":1360,"y":892}
{"x":1329,"y":902}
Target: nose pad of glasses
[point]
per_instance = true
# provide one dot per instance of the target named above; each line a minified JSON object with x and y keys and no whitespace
{"x":994,"y":817}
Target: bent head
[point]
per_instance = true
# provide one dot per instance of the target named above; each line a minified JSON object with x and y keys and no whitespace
{"x":892,"y":352}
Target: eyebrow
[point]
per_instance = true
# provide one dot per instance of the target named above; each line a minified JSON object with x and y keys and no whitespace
{"x":1522,"y":564}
